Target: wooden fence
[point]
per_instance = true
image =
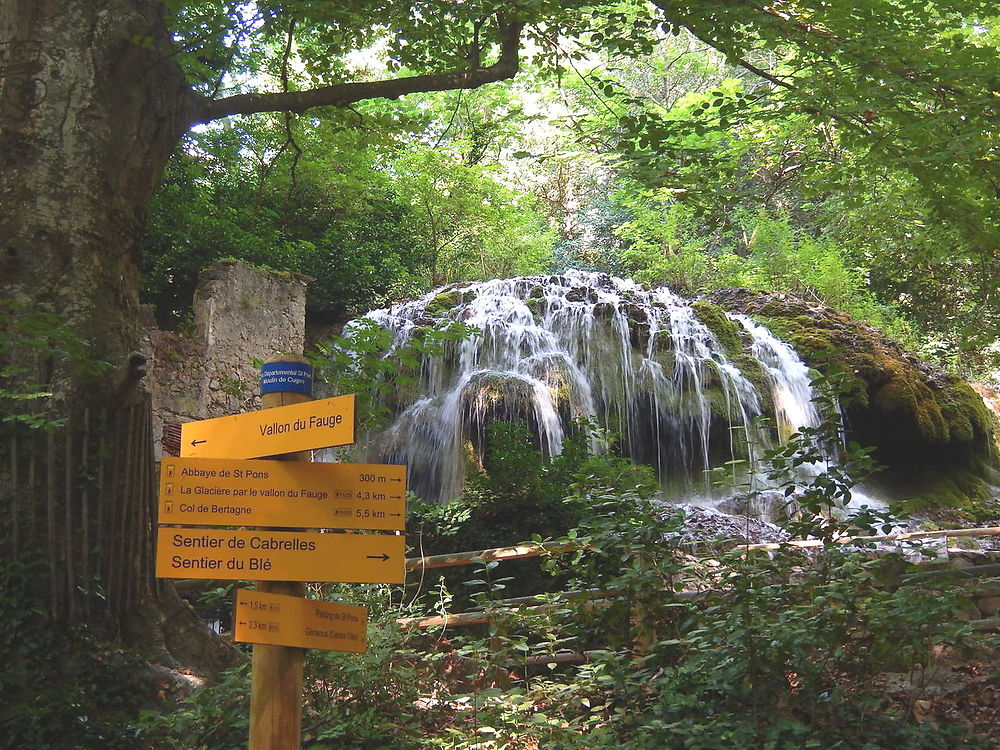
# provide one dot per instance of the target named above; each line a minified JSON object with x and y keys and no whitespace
{"x":597,"y":598}
{"x":83,"y":495}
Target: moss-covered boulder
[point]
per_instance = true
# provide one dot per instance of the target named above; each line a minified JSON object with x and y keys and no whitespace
{"x":736,"y":343}
{"x":445,"y":300}
{"x":929,"y":428}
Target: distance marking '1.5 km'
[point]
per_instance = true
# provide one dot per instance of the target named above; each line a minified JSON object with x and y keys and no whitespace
{"x":296,"y":494}
{"x":306,"y":623}
{"x":272,"y":432}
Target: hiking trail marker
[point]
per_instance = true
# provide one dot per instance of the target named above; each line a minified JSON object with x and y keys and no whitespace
{"x":210,"y":485}
{"x":262,"y":555}
{"x":228,"y":492}
{"x":305,"y":623}
{"x":272,"y":431}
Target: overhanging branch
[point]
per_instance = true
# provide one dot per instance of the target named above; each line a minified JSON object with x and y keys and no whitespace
{"x":343,"y":94}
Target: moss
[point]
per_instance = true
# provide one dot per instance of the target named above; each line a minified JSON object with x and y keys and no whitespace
{"x":537,"y":306}
{"x":929,"y":428}
{"x":963,"y":490}
{"x":732,"y":337}
{"x":968,"y":417}
{"x":442,"y":303}
{"x":725,"y":329}
{"x":667,"y":359}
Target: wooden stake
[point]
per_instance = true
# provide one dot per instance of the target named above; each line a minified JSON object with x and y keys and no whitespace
{"x":276,"y":677}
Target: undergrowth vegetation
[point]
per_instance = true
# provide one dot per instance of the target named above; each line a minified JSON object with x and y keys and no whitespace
{"x":61,"y":689}
{"x":661,"y":644}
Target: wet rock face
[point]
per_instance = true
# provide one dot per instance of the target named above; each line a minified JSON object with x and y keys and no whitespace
{"x":679,"y":383}
{"x":929,"y":427}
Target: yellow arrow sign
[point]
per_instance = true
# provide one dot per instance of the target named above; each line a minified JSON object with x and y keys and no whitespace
{"x":230,"y":554}
{"x":291,"y":621}
{"x":228,"y":492}
{"x":271,"y":432}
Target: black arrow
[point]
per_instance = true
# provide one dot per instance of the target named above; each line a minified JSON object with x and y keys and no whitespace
{"x":395,"y":515}
{"x":383,"y":557}
{"x":198,"y":442}
{"x":395,"y":480}
{"x":395,"y":497}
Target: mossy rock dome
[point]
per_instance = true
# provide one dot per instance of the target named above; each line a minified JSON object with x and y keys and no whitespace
{"x":929,"y":428}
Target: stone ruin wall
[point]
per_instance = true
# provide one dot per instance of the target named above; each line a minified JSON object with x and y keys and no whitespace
{"x":240,"y":315}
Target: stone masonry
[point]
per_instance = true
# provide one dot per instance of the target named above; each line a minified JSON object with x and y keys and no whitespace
{"x":241,"y":316}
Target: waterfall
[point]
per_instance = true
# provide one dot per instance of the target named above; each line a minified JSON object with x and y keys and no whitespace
{"x":788,"y":376}
{"x":792,"y":396}
{"x":640,"y":362}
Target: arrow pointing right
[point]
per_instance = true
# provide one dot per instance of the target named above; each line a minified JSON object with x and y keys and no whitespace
{"x":383,"y":557}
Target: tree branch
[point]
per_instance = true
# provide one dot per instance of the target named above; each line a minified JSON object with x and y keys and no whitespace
{"x":343,"y":94}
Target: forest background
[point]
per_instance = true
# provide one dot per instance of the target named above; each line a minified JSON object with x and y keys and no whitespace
{"x":661,"y":157}
{"x":844,"y":151}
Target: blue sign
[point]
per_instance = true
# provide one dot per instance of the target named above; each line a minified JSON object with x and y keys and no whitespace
{"x":286,"y":377}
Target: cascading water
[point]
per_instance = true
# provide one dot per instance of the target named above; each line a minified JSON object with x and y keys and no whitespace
{"x":788,"y":376}
{"x":554,"y":349}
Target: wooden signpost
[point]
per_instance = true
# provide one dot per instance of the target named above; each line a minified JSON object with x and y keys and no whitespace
{"x":211,"y":485}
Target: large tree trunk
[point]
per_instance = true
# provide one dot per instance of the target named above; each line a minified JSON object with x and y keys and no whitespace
{"x":91,"y":106}
{"x":92,"y":103}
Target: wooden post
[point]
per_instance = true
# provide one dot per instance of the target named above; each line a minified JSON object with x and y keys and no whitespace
{"x":276,"y":677}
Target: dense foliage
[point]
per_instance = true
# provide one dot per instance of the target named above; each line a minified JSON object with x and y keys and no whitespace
{"x":62,"y":689}
{"x":846,"y":153}
{"x":842,"y":149}
{"x":787,"y":651}
{"x":368,"y":222}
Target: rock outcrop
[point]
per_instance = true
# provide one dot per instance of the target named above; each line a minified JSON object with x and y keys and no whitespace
{"x":930,"y":428}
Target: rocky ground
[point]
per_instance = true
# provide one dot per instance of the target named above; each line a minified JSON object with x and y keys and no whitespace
{"x":957,"y":689}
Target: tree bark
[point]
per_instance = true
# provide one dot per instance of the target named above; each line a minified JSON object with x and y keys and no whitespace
{"x":91,"y":107}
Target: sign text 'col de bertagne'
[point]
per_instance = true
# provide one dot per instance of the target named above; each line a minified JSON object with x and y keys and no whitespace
{"x":271,"y":432}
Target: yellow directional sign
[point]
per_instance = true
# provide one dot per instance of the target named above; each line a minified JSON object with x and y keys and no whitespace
{"x":231,"y":554}
{"x":271,"y":432}
{"x":291,"y":621}
{"x":228,"y":492}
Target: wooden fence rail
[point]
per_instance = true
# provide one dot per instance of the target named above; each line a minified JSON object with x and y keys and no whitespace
{"x":534,"y":549}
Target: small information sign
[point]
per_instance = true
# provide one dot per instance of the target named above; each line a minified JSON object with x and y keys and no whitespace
{"x":236,"y":554}
{"x":286,"y":377}
{"x":306,"y":623}
{"x":272,"y":432}
{"x":229,"y":492}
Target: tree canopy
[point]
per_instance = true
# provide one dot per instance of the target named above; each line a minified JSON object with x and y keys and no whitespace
{"x":868,"y":129}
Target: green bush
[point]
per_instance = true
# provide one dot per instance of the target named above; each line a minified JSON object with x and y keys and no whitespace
{"x":60,"y":688}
